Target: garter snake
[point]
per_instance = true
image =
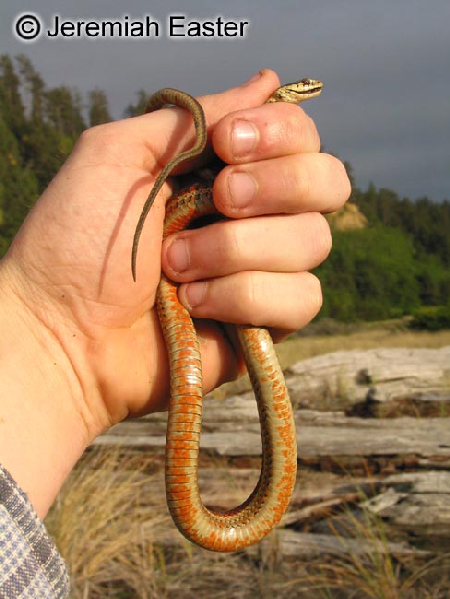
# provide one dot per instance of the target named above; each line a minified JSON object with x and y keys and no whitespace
{"x":252,"y":520}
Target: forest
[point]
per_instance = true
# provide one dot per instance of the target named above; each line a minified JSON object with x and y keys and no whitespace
{"x":398,"y":265}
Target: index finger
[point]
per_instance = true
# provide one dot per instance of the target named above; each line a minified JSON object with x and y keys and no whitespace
{"x":265,"y":132}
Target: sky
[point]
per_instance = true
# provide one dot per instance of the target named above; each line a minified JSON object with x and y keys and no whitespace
{"x":385,"y":65}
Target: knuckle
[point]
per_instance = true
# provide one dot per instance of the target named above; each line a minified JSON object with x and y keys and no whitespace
{"x":285,"y":127}
{"x":337,"y":173}
{"x":310,"y":298}
{"x":98,"y":137}
{"x":292,"y":127}
{"x":301,"y":132}
{"x":316,"y":291}
{"x":247,"y":298}
{"x":296,"y":179}
{"x":345,"y":179}
{"x":298,"y":130}
{"x":230,"y":246}
{"x":322,"y":236}
{"x":314,"y":133}
{"x":314,"y":294}
{"x":248,"y":290}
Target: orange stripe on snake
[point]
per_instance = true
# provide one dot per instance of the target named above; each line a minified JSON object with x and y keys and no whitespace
{"x":252,"y":520}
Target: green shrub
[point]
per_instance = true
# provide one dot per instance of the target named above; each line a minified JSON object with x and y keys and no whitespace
{"x":431,"y":318}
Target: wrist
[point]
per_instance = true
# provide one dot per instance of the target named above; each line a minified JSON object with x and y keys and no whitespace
{"x":43,"y":422}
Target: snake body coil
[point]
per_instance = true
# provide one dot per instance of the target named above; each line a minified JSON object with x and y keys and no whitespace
{"x":248,"y":523}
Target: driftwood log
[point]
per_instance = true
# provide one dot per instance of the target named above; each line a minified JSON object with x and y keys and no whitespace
{"x":373,"y":431}
{"x":376,"y":383}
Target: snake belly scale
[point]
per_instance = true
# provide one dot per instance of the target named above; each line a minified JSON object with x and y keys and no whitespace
{"x":252,"y":520}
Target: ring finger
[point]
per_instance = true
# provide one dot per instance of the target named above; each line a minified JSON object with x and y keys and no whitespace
{"x":276,"y":300}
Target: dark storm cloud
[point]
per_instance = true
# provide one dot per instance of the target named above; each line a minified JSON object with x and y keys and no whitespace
{"x":385,"y":66}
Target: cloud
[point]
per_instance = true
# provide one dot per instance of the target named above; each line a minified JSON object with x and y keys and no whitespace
{"x":384,"y":65}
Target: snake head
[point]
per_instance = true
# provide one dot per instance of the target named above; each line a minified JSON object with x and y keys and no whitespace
{"x":297,"y":92}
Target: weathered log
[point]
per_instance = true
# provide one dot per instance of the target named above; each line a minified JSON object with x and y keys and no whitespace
{"x":320,"y":436}
{"x":377,"y":383}
{"x":417,"y":504}
{"x":414,"y":503}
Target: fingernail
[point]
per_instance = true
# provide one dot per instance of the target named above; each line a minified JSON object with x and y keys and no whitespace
{"x":243,"y":137}
{"x":178,"y":255}
{"x":253,"y":78}
{"x":242,"y":188}
{"x":195,"y":294}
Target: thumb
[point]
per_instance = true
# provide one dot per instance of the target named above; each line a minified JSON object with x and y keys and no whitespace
{"x":253,"y":92}
{"x":167,"y":133}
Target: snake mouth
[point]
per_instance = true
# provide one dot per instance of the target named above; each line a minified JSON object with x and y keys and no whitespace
{"x":301,"y":95}
{"x":312,"y":87}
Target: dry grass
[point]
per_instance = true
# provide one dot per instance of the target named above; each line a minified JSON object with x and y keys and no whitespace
{"x":102,"y":527}
{"x":374,"y":572}
{"x":112,"y":530}
{"x":114,"y":539}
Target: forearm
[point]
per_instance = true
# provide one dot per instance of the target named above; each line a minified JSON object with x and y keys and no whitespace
{"x":42,"y":433}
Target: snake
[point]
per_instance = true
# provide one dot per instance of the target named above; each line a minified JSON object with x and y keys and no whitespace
{"x":248,"y":523}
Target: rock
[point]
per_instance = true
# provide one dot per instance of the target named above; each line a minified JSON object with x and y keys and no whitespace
{"x":348,"y":218}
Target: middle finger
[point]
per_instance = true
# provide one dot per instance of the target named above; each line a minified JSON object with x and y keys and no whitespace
{"x":297,"y":242}
{"x":289,"y":184}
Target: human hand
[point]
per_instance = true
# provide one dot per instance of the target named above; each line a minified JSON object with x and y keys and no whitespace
{"x":70,"y":263}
